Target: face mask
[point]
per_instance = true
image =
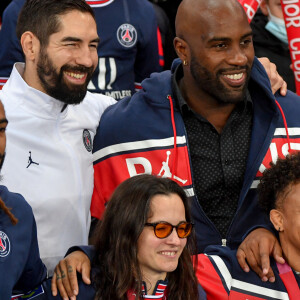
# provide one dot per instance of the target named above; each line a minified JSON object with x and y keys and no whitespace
{"x":277,"y":27}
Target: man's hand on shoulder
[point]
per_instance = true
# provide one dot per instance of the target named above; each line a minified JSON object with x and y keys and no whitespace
{"x":65,"y":274}
{"x":255,"y":252}
{"x":277,"y":82}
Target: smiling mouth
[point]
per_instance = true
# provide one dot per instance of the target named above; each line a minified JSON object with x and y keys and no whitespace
{"x":75,"y":75}
{"x":235,"y":79}
{"x":235,"y":76}
{"x":169,"y":253}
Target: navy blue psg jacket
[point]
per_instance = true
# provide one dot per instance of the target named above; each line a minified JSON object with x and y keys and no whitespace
{"x":222,"y":278}
{"x":146,"y":134}
{"x":128,"y":50}
{"x":21,"y":268}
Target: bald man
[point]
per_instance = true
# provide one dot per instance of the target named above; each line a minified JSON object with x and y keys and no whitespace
{"x":212,"y":124}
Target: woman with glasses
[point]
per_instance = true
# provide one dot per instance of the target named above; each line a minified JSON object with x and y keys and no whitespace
{"x":143,"y":245}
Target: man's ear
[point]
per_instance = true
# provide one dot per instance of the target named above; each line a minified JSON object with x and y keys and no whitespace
{"x":30,"y":45}
{"x":182,"y":49}
{"x":277,"y":219}
{"x":263,"y":7}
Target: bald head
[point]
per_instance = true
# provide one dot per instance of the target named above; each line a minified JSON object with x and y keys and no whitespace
{"x":214,"y":42}
{"x":192,"y":14}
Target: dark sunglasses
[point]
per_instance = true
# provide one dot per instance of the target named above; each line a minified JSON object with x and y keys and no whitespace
{"x":164,"y":229}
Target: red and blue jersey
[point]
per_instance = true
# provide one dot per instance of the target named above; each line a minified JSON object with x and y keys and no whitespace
{"x":222,"y":278}
{"x":146,"y":134}
{"x":21,"y":268}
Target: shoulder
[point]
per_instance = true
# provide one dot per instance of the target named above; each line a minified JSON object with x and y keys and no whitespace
{"x":290,"y":105}
{"x":98,"y":100}
{"x":20,"y":207}
{"x":92,"y":107}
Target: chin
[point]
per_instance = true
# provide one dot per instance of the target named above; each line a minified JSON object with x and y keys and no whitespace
{"x":169,"y":267}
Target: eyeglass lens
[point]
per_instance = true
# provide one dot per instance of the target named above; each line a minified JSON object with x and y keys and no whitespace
{"x":162,"y":230}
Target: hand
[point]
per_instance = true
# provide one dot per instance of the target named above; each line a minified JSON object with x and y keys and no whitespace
{"x":257,"y":248}
{"x":65,"y":276}
{"x":276,"y":80}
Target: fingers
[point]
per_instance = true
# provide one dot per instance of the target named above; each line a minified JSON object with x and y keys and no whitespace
{"x":66,"y":278}
{"x":86,"y":271}
{"x":277,"y":253}
{"x":265,"y":272}
{"x":283,"y":89}
{"x":246,"y":253}
{"x":72,"y":276}
{"x":277,"y":82}
{"x":61,"y":281}
{"x":56,"y":283}
{"x":241,"y":257}
{"x":53,"y":285}
{"x":256,"y":250}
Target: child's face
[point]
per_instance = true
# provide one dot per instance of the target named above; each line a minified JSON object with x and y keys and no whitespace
{"x":290,"y":213}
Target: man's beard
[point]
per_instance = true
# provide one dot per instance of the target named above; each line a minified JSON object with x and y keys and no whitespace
{"x":54,"y":83}
{"x":212,"y":85}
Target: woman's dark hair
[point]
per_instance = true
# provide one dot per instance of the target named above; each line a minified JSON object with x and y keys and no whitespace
{"x":276,"y":180}
{"x":116,"y":238}
{"x":41,"y":17}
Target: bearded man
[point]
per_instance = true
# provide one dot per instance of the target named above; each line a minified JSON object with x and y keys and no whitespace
{"x":212,"y":124}
{"x":53,"y":120}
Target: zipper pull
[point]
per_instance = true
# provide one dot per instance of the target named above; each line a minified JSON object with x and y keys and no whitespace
{"x":224,"y":242}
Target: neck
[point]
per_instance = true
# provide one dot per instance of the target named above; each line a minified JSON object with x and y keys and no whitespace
{"x":30,"y":76}
{"x":290,"y":252}
{"x":151,"y":281}
{"x":211,"y":109}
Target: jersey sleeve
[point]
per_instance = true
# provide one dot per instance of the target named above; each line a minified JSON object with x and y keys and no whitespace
{"x":213,"y":276}
{"x":10,"y":48}
{"x":35,"y":271}
{"x":149,"y":57}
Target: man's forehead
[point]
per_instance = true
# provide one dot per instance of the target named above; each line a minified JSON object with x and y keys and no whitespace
{"x":75,"y":23}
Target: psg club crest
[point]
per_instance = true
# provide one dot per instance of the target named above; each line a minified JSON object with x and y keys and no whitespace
{"x":87,"y":140}
{"x":4,"y":244}
{"x":127,"y":35}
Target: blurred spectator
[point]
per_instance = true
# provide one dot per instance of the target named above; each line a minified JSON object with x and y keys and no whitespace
{"x":3,"y":5}
{"x":270,"y":39}
{"x":170,"y":8}
{"x":128,"y":51}
{"x":10,"y":48}
{"x":167,"y":36}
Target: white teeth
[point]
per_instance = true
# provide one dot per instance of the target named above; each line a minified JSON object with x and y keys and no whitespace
{"x":235,"y":76}
{"x":169,"y":253}
{"x":75,"y":75}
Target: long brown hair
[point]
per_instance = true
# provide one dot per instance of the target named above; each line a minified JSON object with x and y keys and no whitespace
{"x":116,"y":240}
{"x":7,"y":210}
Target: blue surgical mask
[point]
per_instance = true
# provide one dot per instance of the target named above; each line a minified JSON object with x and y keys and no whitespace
{"x":277,"y":27}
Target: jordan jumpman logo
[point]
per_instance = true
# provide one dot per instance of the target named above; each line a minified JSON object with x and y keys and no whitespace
{"x":30,"y":161}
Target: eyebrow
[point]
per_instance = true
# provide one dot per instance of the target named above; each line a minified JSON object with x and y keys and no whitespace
{"x":217,"y":39}
{"x":74,"y":39}
{"x":3,"y":121}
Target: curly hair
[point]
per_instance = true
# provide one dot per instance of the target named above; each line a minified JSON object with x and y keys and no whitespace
{"x":277,"y":180}
{"x":7,"y":210}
